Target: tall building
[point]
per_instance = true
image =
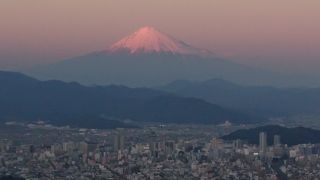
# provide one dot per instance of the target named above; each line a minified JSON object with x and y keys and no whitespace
{"x":155,"y":148}
{"x":83,"y":147}
{"x":263,"y":142}
{"x":119,"y":140}
{"x":237,"y":144}
{"x":276,"y":140}
{"x":169,"y":147}
{"x":68,"y":146}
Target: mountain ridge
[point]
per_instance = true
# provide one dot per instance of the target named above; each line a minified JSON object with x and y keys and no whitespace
{"x":263,"y":100}
{"x":57,"y":100}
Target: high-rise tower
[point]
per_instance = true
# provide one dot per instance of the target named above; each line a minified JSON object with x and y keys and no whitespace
{"x":119,"y":140}
{"x":276,"y":140}
{"x":263,"y":142}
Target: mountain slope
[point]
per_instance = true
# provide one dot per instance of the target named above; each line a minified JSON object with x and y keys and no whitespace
{"x":150,"y":58}
{"x":264,"y":100}
{"x":25,"y":98}
{"x":289,"y":136}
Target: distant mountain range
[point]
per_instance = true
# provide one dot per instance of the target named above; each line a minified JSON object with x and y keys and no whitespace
{"x":25,"y":98}
{"x":289,"y":136}
{"x":262,"y":100}
{"x":149,"y":57}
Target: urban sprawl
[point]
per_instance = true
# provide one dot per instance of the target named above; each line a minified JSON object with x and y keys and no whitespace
{"x":42,"y":151}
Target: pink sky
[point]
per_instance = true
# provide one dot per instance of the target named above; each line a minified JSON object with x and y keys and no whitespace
{"x":278,"y":34}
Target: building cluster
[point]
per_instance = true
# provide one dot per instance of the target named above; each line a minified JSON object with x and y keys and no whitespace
{"x":156,"y":153}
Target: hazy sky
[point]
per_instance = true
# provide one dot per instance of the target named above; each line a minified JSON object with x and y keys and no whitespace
{"x":279,"y":34}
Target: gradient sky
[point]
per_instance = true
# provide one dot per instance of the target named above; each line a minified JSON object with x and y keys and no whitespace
{"x":277,"y":34}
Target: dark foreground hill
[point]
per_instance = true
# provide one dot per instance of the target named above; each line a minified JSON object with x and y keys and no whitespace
{"x":289,"y":136}
{"x":25,"y":98}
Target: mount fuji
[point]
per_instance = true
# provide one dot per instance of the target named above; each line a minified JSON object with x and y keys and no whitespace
{"x":150,"y":40}
{"x":149,"y":57}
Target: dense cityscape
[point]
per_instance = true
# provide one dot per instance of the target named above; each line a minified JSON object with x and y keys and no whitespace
{"x":42,"y":151}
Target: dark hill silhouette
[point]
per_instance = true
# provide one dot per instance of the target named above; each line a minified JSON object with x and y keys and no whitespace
{"x":289,"y":136}
{"x":22,"y":97}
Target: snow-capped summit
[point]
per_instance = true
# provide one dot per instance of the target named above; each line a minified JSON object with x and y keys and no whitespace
{"x":148,"y":39}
